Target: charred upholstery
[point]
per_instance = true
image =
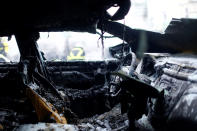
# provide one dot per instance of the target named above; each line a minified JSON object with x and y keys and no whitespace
{"x":175,"y":75}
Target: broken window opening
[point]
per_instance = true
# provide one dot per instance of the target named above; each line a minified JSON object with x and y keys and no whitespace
{"x":9,"y":51}
{"x":59,"y":46}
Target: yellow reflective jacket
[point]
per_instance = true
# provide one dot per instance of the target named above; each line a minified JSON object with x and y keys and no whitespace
{"x":76,"y":53}
{"x":4,"y":47}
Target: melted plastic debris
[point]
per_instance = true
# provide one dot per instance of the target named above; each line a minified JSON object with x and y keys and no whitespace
{"x":109,"y":121}
{"x":144,"y":124}
{"x":47,"y":127}
{"x":59,"y":127}
{"x":112,"y":120}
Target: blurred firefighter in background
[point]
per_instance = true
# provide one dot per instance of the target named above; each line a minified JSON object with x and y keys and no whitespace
{"x":77,"y":53}
{"x":3,"y":50}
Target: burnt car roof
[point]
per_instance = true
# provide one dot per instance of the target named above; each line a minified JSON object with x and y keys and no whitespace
{"x":58,"y":15}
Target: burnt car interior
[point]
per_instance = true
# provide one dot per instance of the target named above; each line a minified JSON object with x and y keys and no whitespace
{"x":158,"y":92}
